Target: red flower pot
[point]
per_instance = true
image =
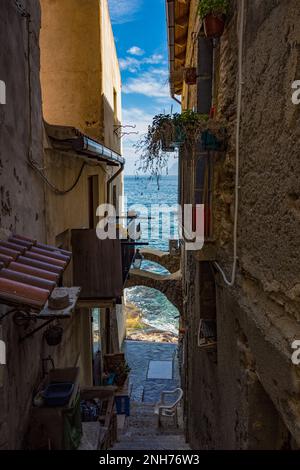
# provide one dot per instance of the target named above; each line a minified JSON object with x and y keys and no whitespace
{"x":214,"y":25}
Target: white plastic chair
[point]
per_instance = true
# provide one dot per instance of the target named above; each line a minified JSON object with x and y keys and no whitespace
{"x":162,"y":409}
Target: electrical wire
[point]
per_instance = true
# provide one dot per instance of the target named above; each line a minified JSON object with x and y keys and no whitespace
{"x":231,"y":282}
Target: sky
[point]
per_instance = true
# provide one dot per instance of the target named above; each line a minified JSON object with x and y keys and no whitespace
{"x":140,"y":32}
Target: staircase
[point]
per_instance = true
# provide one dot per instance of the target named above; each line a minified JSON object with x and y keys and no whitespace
{"x":141,"y":432}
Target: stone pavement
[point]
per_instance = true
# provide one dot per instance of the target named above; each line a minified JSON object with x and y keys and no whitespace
{"x":142,"y":433}
{"x":141,"y":430}
{"x":138,"y":355}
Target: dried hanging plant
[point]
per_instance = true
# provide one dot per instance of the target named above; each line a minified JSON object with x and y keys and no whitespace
{"x":170,"y":131}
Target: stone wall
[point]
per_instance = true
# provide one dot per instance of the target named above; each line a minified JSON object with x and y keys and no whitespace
{"x":249,"y":395}
{"x":21,"y":189}
{"x":22,"y":197}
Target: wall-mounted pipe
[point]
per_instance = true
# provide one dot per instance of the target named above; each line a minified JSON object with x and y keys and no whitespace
{"x":241,"y":25}
{"x":111,"y":180}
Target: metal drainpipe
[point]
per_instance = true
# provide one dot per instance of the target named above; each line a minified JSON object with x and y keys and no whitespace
{"x":111,"y":181}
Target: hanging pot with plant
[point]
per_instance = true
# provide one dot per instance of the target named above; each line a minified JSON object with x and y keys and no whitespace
{"x":213,"y":13}
{"x":182,"y":131}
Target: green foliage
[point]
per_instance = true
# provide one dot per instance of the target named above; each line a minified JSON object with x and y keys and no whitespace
{"x":183,"y":130}
{"x":216,"y":7}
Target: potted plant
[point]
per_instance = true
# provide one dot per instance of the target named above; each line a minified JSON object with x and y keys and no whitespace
{"x":213,"y":13}
{"x":185,"y":131}
{"x":122,"y":372}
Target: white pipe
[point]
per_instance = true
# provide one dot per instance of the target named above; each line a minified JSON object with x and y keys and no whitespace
{"x":238,"y":129}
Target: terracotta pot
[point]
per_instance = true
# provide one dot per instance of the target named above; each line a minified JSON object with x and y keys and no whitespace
{"x":53,"y":335}
{"x":214,"y":26}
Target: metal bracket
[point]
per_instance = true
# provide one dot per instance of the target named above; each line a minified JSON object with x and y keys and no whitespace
{"x":15,"y":310}
{"x":32,"y":332}
{"x":121,"y":134}
{"x":21,"y":9}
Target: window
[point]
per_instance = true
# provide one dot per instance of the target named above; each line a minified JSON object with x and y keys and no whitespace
{"x":115,"y":106}
{"x":93,"y":200}
{"x":203,"y":190}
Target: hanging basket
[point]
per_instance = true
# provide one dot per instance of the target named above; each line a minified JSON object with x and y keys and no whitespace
{"x":190,"y":75}
{"x":214,"y":25}
{"x":53,"y":335}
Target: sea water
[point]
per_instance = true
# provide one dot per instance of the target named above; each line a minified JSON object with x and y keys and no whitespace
{"x":157,"y":311}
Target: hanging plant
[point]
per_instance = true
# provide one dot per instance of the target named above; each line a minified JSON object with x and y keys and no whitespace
{"x":213,"y":13}
{"x":186,"y":130}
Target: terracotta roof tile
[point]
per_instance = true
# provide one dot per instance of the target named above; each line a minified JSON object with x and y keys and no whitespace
{"x":8,"y":252}
{"x":13,"y":291}
{"x":13,"y":246}
{"x":27,"y":279}
{"x":32,"y":271}
{"x":6,"y":259}
{"x":54,"y":254}
{"x":29,"y":271}
{"x":40,"y":264}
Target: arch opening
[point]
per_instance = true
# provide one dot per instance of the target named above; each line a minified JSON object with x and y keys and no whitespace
{"x":150,"y":315}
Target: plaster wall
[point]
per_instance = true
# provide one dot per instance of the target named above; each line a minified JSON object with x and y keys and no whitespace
{"x":257,"y":320}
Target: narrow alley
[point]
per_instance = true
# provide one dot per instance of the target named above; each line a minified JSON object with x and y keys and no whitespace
{"x":154,"y":369}
{"x":150,"y":230}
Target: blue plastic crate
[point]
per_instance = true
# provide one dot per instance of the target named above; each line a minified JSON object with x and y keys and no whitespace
{"x":123,"y":405}
{"x":58,"y":394}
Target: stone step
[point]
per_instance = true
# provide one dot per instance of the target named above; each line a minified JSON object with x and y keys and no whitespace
{"x":141,"y":432}
{"x":151,"y":445}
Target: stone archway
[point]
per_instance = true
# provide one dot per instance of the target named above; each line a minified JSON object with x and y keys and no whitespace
{"x":170,"y":285}
{"x":169,"y":261}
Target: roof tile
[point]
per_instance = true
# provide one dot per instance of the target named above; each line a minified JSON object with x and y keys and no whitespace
{"x":29,"y":271}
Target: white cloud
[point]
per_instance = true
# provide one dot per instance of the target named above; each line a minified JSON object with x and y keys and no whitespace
{"x":123,"y":11}
{"x":132,"y":64}
{"x":135,"y":50}
{"x":153,"y":83}
{"x":141,"y":119}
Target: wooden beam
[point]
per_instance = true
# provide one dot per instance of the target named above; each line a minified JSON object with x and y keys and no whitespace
{"x":182,"y":21}
{"x":181,"y":56}
{"x":181,"y":41}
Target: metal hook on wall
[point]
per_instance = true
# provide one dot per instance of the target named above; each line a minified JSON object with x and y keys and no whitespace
{"x":120,"y":133}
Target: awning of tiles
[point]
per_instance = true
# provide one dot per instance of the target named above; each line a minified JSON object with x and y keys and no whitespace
{"x":29,"y":274}
{"x":29,"y":271}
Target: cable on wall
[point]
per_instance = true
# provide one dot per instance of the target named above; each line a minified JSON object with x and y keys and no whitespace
{"x":231,"y":282}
